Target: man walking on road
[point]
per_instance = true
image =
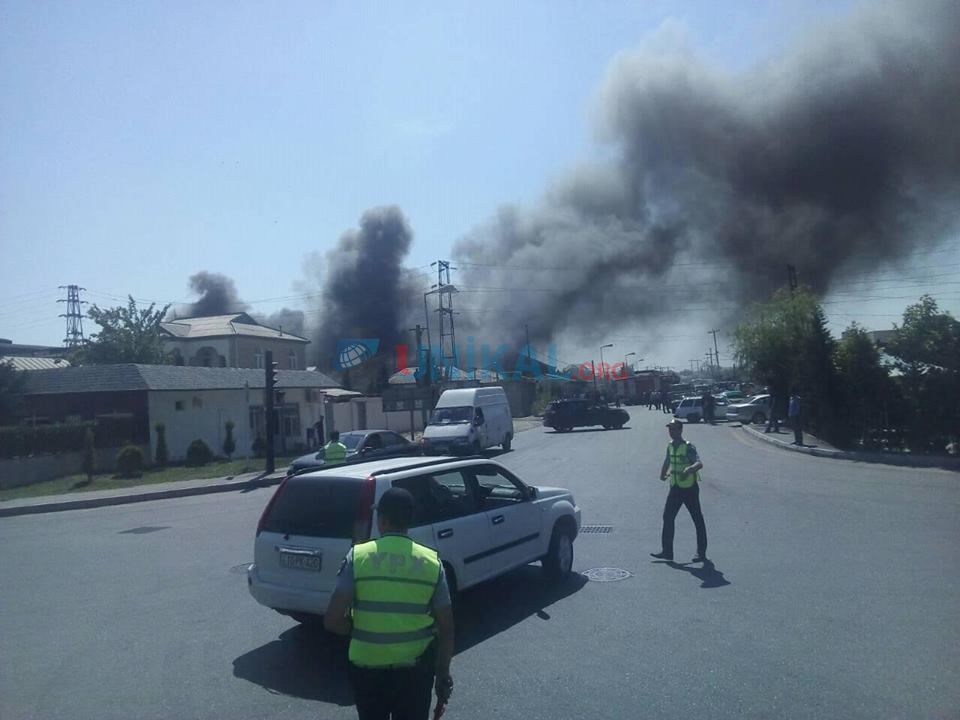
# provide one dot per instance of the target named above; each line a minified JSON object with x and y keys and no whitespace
{"x":393,"y":601}
{"x":682,"y":465}
{"x":796,"y":418}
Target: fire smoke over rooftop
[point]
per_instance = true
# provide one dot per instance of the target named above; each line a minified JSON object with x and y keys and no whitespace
{"x":842,"y":156}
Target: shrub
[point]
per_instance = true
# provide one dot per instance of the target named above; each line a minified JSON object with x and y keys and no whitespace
{"x":259,"y":447}
{"x":162,"y":455}
{"x":89,"y":456}
{"x":229,"y":444}
{"x":130,"y":461}
{"x":199,"y":453}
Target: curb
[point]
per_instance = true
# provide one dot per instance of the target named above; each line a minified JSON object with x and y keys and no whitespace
{"x":943,"y":463}
{"x":106,"y":501}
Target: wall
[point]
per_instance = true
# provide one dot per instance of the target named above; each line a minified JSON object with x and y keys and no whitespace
{"x":346,"y":416}
{"x":17,"y":472}
{"x":246,"y":348}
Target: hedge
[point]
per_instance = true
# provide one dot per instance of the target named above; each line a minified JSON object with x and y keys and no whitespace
{"x":26,"y":440}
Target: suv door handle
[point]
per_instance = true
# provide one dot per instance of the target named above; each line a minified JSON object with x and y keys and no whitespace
{"x":445,"y":533}
{"x":497,"y":519}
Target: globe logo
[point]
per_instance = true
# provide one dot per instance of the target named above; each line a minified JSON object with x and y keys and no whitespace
{"x":355,"y":351}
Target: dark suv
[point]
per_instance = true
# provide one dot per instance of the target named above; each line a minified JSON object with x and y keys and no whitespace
{"x":564,"y":415}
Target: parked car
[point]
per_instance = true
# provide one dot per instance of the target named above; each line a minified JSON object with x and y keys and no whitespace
{"x":480,"y":517}
{"x":469,"y":420}
{"x":733,"y":396}
{"x":754,"y":410}
{"x":362,"y":445}
{"x":564,"y":415}
{"x":691,"y":409}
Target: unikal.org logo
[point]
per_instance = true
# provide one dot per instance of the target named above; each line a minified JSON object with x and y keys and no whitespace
{"x":355,"y":351}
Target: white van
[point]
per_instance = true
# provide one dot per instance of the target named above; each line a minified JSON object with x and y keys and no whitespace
{"x":468,"y":421}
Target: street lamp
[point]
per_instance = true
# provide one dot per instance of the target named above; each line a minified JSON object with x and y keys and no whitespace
{"x":603,"y":368}
{"x":625,"y":366}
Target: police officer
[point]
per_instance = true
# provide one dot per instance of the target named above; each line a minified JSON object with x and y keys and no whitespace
{"x":393,"y":601}
{"x":334,"y":452}
{"x":681,"y":465}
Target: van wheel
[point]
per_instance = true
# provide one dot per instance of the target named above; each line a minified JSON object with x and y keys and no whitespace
{"x":558,"y":562}
{"x":758,"y":418}
{"x":475,"y":448}
{"x":507,"y":441}
{"x":693,"y":418}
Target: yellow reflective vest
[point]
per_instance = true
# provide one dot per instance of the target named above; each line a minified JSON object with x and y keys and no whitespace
{"x":678,"y":461}
{"x":334,"y":453}
{"x":394,"y":582}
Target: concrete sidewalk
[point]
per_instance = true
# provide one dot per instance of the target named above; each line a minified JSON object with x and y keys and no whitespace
{"x":820,"y":448}
{"x":164,"y":491}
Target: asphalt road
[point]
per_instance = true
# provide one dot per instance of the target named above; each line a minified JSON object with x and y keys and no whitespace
{"x":834,"y":593}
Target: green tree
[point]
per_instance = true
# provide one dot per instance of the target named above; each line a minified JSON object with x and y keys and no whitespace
{"x":11,"y":385}
{"x":127,"y":335}
{"x":926,"y":348}
{"x":868,"y":392}
{"x":785,"y":344}
{"x":229,"y":444}
{"x":161,"y":456}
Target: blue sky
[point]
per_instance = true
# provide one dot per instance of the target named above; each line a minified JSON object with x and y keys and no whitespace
{"x":143,"y":142}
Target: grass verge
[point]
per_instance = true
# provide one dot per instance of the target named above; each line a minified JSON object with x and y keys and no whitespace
{"x":152,"y":476}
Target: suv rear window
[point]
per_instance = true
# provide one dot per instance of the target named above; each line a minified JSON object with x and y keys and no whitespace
{"x":316,"y":507}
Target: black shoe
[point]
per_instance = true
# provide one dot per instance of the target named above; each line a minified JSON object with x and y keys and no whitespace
{"x":662,"y":556}
{"x":699,"y":558}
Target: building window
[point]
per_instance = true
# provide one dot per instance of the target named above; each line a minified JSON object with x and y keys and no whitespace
{"x":292,"y":360}
{"x":258,"y":358}
{"x":197,"y":402}
{"x":178,"y":405}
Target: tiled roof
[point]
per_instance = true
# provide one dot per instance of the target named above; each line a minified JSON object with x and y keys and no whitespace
{"x":225,"y":326}
{"x":119,"y":378}
{"x":35,"y":363}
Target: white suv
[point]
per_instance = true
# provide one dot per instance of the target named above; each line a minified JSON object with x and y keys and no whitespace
{"x":480,"y":517}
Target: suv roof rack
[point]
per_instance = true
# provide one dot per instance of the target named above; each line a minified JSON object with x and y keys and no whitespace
{"x":427,"y":463}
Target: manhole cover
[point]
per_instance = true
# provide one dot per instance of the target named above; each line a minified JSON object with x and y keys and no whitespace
{"x":241,"y":569}
{"x":597,"y":529}
{"x":606,"y":574}
{"x":144,"y":530}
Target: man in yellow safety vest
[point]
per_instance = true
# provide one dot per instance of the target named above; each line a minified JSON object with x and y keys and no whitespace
{"x":681,"y":465}
{"x":393,"y":601}
{"x":334,"y":452}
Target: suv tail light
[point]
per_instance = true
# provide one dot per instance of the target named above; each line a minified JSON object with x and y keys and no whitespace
{"x":363,"y":519}
{"x":266,"y":511}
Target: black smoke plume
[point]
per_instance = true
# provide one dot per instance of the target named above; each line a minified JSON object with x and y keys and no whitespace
{"x":218,"y":296}
{"x":286,"y":319}
{"x":841,"y":157}
{"x":367,"y":294}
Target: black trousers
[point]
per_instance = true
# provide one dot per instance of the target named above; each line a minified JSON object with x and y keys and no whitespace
{"x":395,"y":693}
{"x":691,"y":498}
{"x":797,"y":430}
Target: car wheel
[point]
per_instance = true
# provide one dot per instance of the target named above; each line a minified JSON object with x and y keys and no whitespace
{"x":693,"y":418}
{"x":618,"y":426}
{"x":309,"y":620}
{"x":758,"y":418}
{"x":606,"y":427}
{"x":475,"y":447}
{"x":507,"y":441}
{"x":558,"y":562}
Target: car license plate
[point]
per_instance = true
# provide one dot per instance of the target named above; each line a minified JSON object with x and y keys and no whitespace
{"x":295,"y":561}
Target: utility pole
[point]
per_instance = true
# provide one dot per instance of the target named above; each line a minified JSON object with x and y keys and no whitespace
{"x":792,"y":278}
{"x":716,"y":350}
{"x":270,"y":384}
{"x":74,"y":336}
{"x":446,"y":309}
